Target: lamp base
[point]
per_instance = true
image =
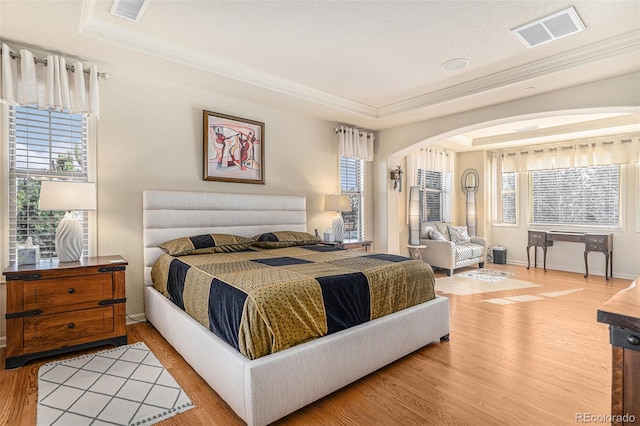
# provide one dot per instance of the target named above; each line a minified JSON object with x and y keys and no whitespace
{"x":338,"y":228}
{"x":69,"y":239}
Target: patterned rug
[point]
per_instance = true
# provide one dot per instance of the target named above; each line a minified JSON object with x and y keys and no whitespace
{"x":463,"y":286}
{"x":489,"y":275}
{"x":122,"y":386}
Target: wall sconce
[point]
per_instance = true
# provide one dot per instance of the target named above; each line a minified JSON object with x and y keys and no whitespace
{"x":396,"y":177}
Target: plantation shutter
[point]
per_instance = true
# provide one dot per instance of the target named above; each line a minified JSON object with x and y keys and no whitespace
{"x":352,"y":184}
{"x":42,"y":145}
{"x":435,"y":196}
{"x":576,"y":196}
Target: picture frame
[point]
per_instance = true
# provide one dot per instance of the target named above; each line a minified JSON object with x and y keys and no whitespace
{"x":233,"y":149}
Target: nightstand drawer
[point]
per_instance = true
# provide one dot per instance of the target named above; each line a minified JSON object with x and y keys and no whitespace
{"x":66,"y":291}
{"x":65,"y":327}
{"x":597,"y":239}
{"x":596,"y":247}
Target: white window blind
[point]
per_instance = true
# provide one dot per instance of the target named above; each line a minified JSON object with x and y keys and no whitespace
{"x":352,"y":184}
{"x":509,"y":196}
{"x":42,"y":145}
{"x":576,"y":196}
{"x":435,"y":196}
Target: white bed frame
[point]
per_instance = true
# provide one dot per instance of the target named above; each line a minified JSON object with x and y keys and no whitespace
{"x":263,"y":390}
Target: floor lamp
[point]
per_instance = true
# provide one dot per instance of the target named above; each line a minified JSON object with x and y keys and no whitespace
{"x":414,"y":215}
{"x":470,"y":182}
{"x":69,"y":197}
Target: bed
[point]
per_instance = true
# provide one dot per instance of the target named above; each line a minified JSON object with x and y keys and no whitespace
{"x":269,"y":387}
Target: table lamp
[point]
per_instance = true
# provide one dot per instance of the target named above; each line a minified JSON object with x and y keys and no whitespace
{"x":68,"y":196}
{"x":338,"y":203}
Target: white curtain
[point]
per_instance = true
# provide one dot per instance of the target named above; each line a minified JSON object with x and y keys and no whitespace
{"x":616,"y":150}
{"x":355,"y":143}
{"x":429,"y":158}
{"x":25,"y":82}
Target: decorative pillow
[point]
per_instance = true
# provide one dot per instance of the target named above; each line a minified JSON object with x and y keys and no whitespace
{"x":444,"y":230}
{"x":281,"y":239}
{"x":424,"y":229}
{"x":459,"y":234}
{"x":434,"y":234}
{"x":207,"y":243}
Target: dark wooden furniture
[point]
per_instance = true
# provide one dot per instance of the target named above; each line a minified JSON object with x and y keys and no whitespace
{"x":622,"y":313}
{"x":602,"y":243}
{"x":54,"y":307}
{"x":357,"y":245}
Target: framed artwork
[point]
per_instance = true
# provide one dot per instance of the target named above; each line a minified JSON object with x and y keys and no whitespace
{"x":233,"y":149}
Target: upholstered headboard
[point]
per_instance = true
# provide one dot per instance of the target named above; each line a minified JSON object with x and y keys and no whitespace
{"x":172,"y":214}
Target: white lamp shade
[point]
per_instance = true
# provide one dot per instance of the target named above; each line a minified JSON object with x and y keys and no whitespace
{"x":69,"y":196}
{"x":337,"y":203}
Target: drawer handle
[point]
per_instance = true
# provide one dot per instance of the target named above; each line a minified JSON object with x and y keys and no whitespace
{"x":633,"y":340}
{"x":71,"y":325}
{"x":71,"y":290}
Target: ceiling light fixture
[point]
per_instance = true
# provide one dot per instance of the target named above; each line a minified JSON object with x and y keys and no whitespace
{"x":454,"y":64}
{"x":549,"y":28}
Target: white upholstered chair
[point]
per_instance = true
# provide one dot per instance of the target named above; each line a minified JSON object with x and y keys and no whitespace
{"x":446,"y":246}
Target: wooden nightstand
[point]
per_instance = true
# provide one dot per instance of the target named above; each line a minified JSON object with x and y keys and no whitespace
{"x":357,"y":245}
{"x":54,"y":308}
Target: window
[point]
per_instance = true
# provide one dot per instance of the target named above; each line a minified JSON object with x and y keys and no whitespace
{"x":435,"y":196}
{"x":509,"y":198}
{"x":352,"y":184}
{"x":576,"y":196}
{"x":42,"y":145}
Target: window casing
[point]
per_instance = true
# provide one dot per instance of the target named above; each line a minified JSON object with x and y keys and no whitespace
{"x":43,"y":145}
{"x":435,"y":196}
{"x":580,"y":196}
{"x":352,"y":184}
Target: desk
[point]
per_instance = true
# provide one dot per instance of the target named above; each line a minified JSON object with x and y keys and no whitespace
{"x":622,"y":313}
{"x":592,"y":242}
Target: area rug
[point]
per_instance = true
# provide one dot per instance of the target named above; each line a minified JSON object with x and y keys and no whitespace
{"x":122,"y":386}
{"x":489,"y":275}
{"x":463,"y":286}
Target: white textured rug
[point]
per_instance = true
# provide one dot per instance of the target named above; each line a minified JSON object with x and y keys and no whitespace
{"x":489,"y":275}
{"x":463,"y":286}
{"x":122,"y":386}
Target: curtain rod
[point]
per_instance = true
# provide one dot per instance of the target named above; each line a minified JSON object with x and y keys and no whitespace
{"x":104,"y":75}
{"x":338,"y":130}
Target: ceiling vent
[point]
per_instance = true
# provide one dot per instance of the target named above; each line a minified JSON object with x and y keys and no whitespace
{"x":130,"y":10}
{"x":549,"y":28}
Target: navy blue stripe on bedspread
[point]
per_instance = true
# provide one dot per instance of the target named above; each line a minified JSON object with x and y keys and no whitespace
{"x":177,"y":275}
{"x":346,"y":300}
{"x":225,"y":311}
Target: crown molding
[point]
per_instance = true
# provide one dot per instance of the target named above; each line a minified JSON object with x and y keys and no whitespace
{"x":163,"y":49}
{"x":99,"y":29}
{"x":595,"y":52}
{"x":603,"y":123}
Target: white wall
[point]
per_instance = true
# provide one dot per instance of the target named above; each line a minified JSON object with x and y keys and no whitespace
{"x":149,"y":136}
{"x":615,"y":94}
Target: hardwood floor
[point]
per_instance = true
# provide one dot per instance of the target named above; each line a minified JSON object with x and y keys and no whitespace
{"x":540,"y":362}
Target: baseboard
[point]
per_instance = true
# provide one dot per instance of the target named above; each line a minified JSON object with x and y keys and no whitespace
{"x":574,"y":270}
{"x":136,"y":318}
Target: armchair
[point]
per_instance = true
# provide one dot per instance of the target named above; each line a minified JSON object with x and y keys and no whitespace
{"x":449,"y":250}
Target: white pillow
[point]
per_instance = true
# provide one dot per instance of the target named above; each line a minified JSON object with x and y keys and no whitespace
{"x":434,"y":234}
{"x":459,"y":234}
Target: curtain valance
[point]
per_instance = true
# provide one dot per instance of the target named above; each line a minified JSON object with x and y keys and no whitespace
{"x":355,"y":143}
{"x":49,"y":83}
{"x":592,"y":152}
{"x":429,"y":158}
